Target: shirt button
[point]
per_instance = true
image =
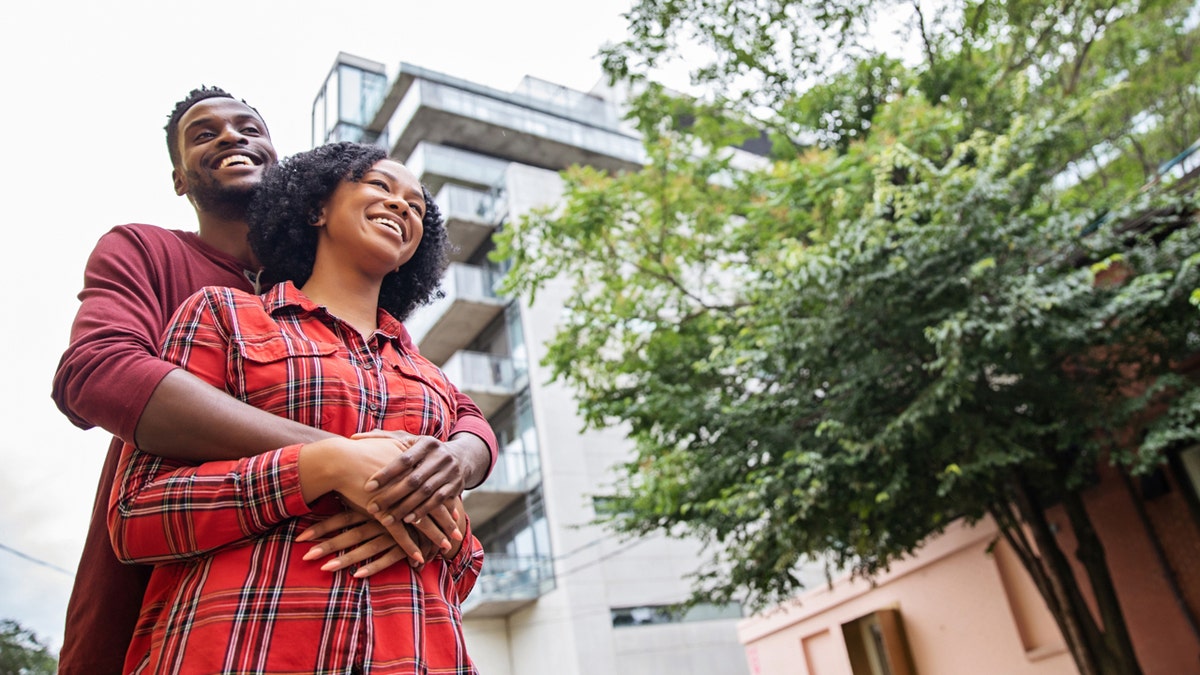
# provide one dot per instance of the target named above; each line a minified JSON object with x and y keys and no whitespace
{"x":373,"y":407}
{"x":368,"y":365}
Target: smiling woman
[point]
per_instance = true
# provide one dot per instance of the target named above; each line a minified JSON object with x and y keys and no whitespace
{"x":353,"y":242}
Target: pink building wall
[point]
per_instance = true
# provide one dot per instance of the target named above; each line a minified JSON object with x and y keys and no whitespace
{"x":964,"y":611}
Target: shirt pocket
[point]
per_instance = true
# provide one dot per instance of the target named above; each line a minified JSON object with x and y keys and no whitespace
{"x":285,"y":376}
{"x":414,"y":386}
{"x":277,"y":348}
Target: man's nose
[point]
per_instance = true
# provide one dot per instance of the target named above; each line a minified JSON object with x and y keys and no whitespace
{"x":231,"y":136}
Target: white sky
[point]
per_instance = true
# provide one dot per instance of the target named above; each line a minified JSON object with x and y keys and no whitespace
{"x":87,"y":88}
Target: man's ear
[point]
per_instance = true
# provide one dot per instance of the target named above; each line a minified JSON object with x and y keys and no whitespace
{"x":181,"y":186}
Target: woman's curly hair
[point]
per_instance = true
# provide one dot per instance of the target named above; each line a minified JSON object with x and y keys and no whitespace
{"x":290,"y":197}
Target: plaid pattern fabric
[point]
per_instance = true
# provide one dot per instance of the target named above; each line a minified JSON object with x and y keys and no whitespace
{"x":230,"y":593}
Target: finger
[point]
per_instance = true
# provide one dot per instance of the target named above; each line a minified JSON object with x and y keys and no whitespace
{"x":442,"y":521}
{"x":401,"y":436}
{"x":359,"y":553}
{"x":332,"y":525}
{"x":405,"y":541}
{"x":430,"y":484}
{"x":431,"y":530}
{"x":390,"y":557}
{"x":402,"y":466}
{"x":352,"y":537}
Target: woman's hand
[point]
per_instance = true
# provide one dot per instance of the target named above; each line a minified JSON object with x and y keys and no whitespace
{"x":360,"y":538}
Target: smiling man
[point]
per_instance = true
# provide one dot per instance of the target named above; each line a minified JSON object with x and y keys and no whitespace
{"x":110,"y":374}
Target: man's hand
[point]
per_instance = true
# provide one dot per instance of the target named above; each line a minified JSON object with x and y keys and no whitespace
{"x":343,"y":465}
{"x":419,"y":485}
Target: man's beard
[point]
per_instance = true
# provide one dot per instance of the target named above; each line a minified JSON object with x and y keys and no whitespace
{"x":226,"y":202}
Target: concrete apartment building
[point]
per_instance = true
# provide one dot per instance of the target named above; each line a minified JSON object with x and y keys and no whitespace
{"x":557,"y":595}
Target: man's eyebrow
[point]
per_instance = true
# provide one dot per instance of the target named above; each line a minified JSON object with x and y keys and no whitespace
{"x":209,"y":119}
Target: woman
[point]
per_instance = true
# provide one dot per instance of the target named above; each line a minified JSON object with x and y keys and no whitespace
{"x":355,"y":243}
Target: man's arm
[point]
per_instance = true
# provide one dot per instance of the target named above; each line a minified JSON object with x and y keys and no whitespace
{"x":111,"y":375}
{"x":188,"y":419}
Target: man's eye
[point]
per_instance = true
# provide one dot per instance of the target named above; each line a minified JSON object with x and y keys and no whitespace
{"x":253,"y":131}
{"x":204,"y":135}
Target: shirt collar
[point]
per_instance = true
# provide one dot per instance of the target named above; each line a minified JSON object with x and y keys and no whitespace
{"x":285,"y":295}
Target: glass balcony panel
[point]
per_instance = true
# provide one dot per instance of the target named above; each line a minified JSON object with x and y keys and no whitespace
{"x":507,"y":584}
{"x":471,"y":216}
{"x":451,"y":322}
{"x":490,"y":380}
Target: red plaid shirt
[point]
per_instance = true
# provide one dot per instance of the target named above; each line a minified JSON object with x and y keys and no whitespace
{"x":230,"y":593}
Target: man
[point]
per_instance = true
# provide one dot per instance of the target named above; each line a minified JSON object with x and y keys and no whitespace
{"x":110,"y":374}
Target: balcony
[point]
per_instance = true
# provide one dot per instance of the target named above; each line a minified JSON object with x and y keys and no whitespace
{"x":516,"y":473}
{"x":507,"y":584}
{"x":438,"y":165}
{"x":471,"y":216}
{"x":490,"y":380}
{"x":542,"y":124}
{"x":452,"y":322}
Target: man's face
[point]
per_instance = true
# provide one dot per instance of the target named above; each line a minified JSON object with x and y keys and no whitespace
{"x":224,"y":148}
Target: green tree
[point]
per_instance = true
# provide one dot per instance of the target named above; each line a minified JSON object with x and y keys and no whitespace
{"x":955,"y":288}
{"x":22,"y":653}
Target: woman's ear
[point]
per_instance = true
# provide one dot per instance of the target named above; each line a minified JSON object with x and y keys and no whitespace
{"x":317,"y":219}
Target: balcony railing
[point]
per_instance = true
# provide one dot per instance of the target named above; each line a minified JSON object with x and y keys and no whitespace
{"x":451,"y":323}
{"x":507,"y":584}
{"x":471,"y":216}
{"x":517,"y":471}
{"x":491,"y":381}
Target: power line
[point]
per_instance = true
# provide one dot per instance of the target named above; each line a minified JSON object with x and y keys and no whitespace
{"x":34,"y":560}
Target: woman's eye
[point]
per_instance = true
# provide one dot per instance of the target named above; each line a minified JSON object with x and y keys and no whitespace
{"x":416,"y":208}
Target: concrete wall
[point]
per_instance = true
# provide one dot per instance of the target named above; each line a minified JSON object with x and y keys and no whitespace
{"x":569,"y":630}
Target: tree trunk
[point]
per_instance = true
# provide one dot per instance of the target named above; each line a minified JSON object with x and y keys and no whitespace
{"x":1058,"y":585}
{"x":1120,"y":657}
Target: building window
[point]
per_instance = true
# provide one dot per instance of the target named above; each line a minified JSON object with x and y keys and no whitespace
{"x":876,"y":644}
{"x":646,"y":615}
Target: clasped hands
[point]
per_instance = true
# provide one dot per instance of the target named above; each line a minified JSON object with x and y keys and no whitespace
{"x":403,"y":494}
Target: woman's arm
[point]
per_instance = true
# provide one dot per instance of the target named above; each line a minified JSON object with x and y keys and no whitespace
{"x":161,"y":511}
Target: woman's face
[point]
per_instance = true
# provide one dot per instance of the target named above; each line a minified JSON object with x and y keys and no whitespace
{"x":375,"y":223}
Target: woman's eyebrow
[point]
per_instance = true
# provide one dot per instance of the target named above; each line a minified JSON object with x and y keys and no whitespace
{"x":395,"y":180}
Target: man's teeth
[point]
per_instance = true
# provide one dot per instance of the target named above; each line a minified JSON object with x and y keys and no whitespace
{"x":235,"y":159}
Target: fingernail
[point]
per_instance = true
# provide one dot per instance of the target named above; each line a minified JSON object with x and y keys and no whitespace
{"x":387,"y":520}
{"x":458,"y":536}
{"x":304,"y":536}
{"x":410,"y":519}
{"x":444,"y":545}
{"x":371,"y":486}
{"x":361,"y":572}
{"x":331,"y":565}
{"x":314,"y":553}
{"x":373,"y":507}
